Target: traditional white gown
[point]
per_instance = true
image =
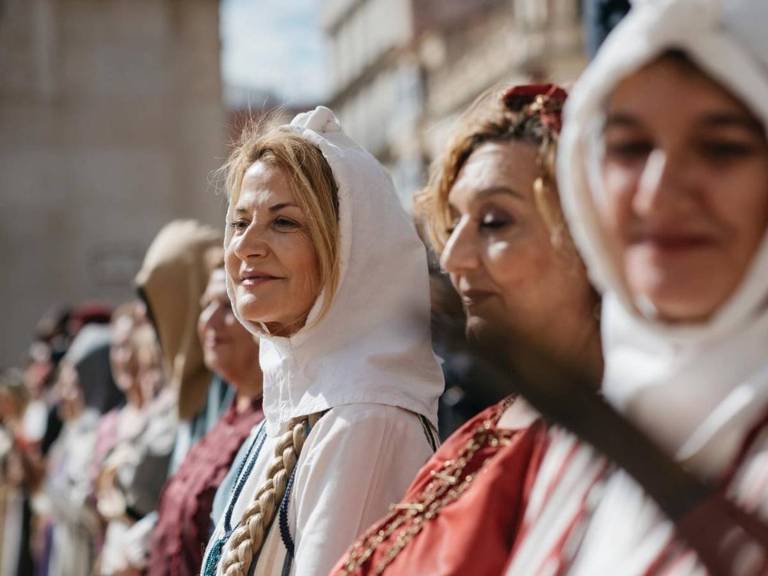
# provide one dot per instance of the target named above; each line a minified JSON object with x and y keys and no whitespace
{"x":367,"y":365}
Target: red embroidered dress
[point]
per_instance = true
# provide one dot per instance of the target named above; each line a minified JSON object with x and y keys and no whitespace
{"x":462,"y":512}
{"x":184,"y":514}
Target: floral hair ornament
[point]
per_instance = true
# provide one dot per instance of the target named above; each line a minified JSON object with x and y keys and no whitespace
{"x":545,"y":103}
{"x":544,"y":100}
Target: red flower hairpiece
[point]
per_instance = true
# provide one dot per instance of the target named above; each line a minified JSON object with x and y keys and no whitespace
{"x":543,"y":97}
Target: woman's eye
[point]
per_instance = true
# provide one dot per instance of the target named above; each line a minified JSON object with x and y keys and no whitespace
{"x":284,"y":223}
{"x":494,"y":221}
{"x":239,"y":225}
{"x":721,"y":150}
{"x":628,"y":150}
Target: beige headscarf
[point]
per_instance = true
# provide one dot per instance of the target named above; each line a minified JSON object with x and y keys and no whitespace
{"x":171,"y":280}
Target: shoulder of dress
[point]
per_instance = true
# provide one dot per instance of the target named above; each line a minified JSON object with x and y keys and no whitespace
{"x":365,"y":415}
{"x":375,"y":424}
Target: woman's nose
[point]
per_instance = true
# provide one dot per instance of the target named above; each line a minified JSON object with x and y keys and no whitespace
{"x":661,"y":183}
{"x":460,"y":252}
{"x":251,"y":243}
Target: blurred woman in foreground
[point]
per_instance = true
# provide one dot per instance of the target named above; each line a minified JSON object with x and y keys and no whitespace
{"x":664,"y":170}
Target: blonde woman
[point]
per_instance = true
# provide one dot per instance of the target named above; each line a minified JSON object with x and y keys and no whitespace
{"x":323,"y":263}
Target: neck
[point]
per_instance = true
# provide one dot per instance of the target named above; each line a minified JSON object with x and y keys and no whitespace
{"x":582,"y":348}
{"x":593,"y":357}
{"x":248,"y":385}
{"x":575,"y":349}
{"x":134,"y":397}
{"x":286,"y":329}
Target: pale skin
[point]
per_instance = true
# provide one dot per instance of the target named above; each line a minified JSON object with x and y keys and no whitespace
{"x":71,"y":403}
{"x":122,"y":356}
{"x":228,"y":348}
{"x":502,"y":262}
{"x":270,"y":257}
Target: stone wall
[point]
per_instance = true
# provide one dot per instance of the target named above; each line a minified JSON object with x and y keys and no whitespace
{"x":111,"y":121}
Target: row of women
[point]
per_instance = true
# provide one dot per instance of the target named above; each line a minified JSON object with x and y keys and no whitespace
{"x":610,"y":252}
{"x":114,"y":439}
{"x":622,"y":276}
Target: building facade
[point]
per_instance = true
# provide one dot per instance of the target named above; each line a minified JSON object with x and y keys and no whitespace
{"x":111,"y":120}
{"x":403,"y":70}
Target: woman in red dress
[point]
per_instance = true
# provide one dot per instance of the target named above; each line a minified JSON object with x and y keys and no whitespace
{"x":184,"y":514}
{"x":493,"y":213}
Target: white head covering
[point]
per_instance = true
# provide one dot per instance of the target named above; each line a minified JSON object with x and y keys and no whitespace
{"x":374,"y":343}
{"x":715,"y":369}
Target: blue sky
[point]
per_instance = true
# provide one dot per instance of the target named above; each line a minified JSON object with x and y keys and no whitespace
{"x":276,"y":45}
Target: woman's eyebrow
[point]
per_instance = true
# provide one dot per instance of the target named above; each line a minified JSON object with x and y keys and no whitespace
{"x":621,"y":119}
{"x":274,"y":208}
{"x":494,"y":190}
{"x":731,"y":120}
{"x":281,"y":205}
{"x":491,"y":191}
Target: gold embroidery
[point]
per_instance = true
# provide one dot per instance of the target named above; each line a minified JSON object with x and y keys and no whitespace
{"x":446,"y":485}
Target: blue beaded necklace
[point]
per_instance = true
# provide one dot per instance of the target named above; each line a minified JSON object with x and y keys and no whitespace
{"x":246,"y":467}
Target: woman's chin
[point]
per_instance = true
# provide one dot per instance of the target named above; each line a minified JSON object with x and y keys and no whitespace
{"x":479,"y":327}
{"x":250,"y":317}
{"x":253,"y":310}
{"x":680,"y":303}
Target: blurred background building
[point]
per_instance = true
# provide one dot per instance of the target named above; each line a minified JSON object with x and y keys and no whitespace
{"x":403,"y":70}
{"x":114,"y":113}
{"x":111,"y":119}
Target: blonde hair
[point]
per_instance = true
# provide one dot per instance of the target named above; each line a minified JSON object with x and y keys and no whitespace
{"x":498,"y":115}
{"x":311,"y":182}
{"x":248,"y":537}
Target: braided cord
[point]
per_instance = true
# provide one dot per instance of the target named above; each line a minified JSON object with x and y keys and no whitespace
{"x":248,"y":537}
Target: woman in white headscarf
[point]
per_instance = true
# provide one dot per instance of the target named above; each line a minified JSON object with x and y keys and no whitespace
{"x":664,"y":178}
{"x":324,"y":264}
{"x":84,"y":381}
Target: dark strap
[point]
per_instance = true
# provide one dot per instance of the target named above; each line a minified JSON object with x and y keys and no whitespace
{"x":285,"y":529}
{"x":429,"y":432}
{"x":243,"y":472}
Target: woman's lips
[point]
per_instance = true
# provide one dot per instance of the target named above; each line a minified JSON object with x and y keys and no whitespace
{"x":674,"y":242}
{"x":256,"y":279}
{"x":472,"y":298}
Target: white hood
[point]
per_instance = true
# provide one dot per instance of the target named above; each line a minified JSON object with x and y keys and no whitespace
{"x":714,"y":369}
{"x":374,"y":343}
